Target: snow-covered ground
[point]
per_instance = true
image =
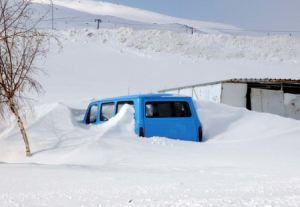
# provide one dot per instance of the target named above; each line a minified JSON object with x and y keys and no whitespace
{"x":247,"y":159}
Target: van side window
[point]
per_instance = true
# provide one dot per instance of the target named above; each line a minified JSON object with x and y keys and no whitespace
{"x":165,"y":109}
{"x":92,"y":117}
{"x":107,"y":111}
{"x":122,"y":103}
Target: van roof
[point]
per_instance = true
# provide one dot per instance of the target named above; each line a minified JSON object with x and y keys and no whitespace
{"x":154,"y":95}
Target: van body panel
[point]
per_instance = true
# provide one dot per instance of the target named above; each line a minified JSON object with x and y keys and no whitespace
{"x":183,"y":127}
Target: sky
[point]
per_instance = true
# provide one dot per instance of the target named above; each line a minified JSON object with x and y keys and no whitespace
{"x":248,"y":14}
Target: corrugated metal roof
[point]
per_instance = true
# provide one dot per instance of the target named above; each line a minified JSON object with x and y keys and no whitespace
{"x":262,"y":80}
{"x":272,"y":81}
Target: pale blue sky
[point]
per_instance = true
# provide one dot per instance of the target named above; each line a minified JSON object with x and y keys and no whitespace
{"x":249,"y":14}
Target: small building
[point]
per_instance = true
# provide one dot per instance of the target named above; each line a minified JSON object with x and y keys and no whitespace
{"x":277,"y":96}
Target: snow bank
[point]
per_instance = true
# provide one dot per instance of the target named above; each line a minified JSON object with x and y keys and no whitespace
{"x":196,"y":46}
{"x":247,"y":158}
{"x":58,"y":128}
{"x":224,"y":123}
{"x":122,"y":123}
{"x":58,"y":136}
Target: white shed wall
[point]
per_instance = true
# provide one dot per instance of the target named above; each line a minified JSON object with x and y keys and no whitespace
{"x":208,"y":93}
{"x":292,"y":105}
{"x":269,"y":101}
{"x":234,"y":94}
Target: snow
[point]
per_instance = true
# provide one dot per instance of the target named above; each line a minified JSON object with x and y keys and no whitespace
{"x":133,"y":14}
{"x":106,"y":63}
{"x":247,"y":159}
{"x":74,"y":19}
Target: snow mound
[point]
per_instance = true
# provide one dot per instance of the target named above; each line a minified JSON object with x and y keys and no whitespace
{"x":224,"y":123}
{"x":248,"y":158}
{"x":57,"y":136}
{"x":56,"y":127}
{"x":122,"y":123}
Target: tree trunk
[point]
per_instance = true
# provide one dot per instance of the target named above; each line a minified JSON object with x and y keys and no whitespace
{"x":15,"y":111}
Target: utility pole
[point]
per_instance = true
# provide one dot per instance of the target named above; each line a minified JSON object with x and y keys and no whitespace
{"x":98,"y":22}
{"x":52,"y":15}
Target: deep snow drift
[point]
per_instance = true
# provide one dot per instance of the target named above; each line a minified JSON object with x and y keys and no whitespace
{"x":56,"y":131}
{"x":247,"y":159}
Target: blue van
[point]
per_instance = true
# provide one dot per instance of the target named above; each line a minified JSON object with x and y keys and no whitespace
{"x":162,"y":115}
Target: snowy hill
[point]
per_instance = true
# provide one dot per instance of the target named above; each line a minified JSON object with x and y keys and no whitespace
{"x":66,"y":18}
{"x":70,"y":13}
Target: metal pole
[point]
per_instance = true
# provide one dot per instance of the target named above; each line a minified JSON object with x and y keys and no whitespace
{"x":52,"y":14}
{"x":98,"y":22}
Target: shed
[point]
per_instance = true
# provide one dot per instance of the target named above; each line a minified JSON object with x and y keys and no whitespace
{"x":277,"y":96}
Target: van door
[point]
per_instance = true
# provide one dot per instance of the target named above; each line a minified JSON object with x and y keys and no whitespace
{"x":172,"y":119}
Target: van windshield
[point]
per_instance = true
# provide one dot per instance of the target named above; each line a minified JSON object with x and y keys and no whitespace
{"x":165,"y":109}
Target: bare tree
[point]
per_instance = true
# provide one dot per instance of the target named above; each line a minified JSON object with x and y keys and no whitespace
{"x":20,"y":45}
